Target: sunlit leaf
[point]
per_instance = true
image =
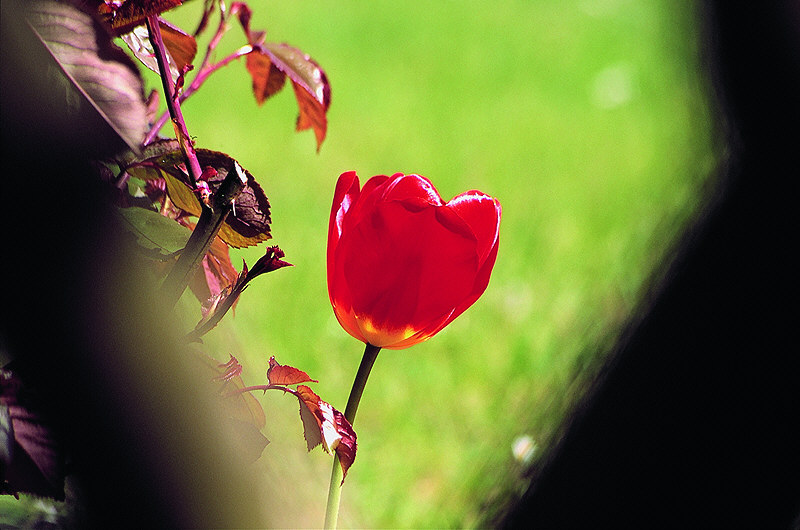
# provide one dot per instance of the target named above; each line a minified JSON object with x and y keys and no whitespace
{"x":268,"y":79}
{"x":278,"y":374}
{"x":311,"y":87}
{"x":311,"y":431}
{"x":333,"y":430}
{"x":270,"y":63}
{"x":181,"y":47}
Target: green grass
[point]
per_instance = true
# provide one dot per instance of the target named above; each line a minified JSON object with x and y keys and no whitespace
{"x":587,"y":120}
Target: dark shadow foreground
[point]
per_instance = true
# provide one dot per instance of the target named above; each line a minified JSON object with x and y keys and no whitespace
{"x":693,"y":423}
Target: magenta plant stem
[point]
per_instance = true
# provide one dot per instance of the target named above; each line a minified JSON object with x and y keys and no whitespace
{"x":203,"y":74}
{"x":213,"y":211}
{"x":192,"y":164}
{"x":335,"y":487}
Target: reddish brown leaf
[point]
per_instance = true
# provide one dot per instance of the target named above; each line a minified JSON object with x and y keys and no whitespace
{"x":346,"y":450}
{"x":216,"y":306}
{"x":267,"y":78}
{"x":124,"y":15}
{"x":269,"y":64}
{"x":311,"y":87}
{"x":181,"y":46}
{"x":278,"y":374}
{"x":272,"y":260}
{"x":312,"y":114}
{"x":333,"y":429}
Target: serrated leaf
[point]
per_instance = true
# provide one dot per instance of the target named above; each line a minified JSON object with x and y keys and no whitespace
{"x":249,"y":222}
{"x":311,"y":87}
{"x":268,"y":79}
{"x":333,"y":430}
{"x":279,"y":374}
{"x":153,"y":231}
{"x":270,"y":63}
{"x":311,"y":431}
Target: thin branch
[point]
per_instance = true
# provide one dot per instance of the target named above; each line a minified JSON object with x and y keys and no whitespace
{"x":263,"y":388}
{"x":213,"y":211}
{"x":208,"y":226}
{"x":173,"y":103}
{"x":202,"y":75}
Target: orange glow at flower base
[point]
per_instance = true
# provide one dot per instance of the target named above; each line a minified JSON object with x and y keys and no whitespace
{"x":402,"y":263}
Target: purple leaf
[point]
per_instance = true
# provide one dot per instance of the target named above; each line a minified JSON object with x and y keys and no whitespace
{"x":96,"y":76}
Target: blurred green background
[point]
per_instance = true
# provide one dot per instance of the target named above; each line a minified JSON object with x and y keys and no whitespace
{"x":588,"y":119}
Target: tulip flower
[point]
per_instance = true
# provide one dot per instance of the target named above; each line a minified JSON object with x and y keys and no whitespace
{"x":402,"y":264}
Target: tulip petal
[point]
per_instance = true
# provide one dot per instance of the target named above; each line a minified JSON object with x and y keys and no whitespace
{"x":414,"y":191}
{"x":402,"y":264}
{"x":482,"y":213}
{"x":346,"y":193}
{"x":404,"y":269}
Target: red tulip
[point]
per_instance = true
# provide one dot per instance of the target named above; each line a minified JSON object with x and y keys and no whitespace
{"x":402,"y":263}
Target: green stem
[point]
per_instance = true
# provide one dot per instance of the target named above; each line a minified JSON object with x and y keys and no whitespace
{"x":335,"y":488}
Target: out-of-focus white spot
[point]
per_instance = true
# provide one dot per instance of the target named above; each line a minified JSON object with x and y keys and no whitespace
{"x":613,"y":86}
{"x":517,"y":302}
{"x":523,"y":449}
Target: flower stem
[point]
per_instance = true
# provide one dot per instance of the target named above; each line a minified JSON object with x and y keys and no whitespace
{"x":335,"y":488}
